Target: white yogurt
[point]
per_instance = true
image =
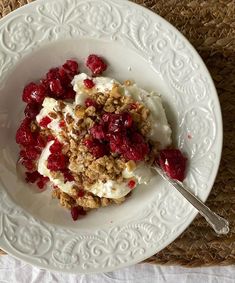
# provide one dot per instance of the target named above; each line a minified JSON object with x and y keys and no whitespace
{"x":160,"y":132}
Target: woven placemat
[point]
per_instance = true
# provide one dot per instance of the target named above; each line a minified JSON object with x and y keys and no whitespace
{"x":210,"y":27}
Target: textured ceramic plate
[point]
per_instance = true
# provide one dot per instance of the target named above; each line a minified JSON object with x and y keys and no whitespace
{"x":138,"y":45}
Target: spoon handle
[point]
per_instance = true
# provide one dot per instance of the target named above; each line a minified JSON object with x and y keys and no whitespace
{"x":219,"y":224}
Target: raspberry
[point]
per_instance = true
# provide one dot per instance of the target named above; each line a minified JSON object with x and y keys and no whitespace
{"x":98,"y":132}
{"x":96,"y":64}
{"x":96,"y":148}
{"x":64,"y":77}
{"x":32,"y":177}
{"x":29,"y":153}
{"x":136,"y":152}
{"x":28,"y":164}
{"x":131,"y":184}
{"x":42,"y":182}
{"x":33,"y":93}
{"x":76,"y":212}
{"x":24,"y":135}
{"x":99,"y":150}
{"x":106,"y":117}
{"x":52,"y":74}
{"x":69,"y":93}
{"x":62,"y":124}
{"x":91,"y":102}
{"x":80,"y":193}
{"x":71,"y":67}
{"x":56,"y":162}
{"x":68,"y":177}
{"x":56,"y":147}
{"x":173,"y":162}
{"x":31,"y":110}
{"x":88,"y":83}
{"x":45,"y":121}
{"x":56,"y":87}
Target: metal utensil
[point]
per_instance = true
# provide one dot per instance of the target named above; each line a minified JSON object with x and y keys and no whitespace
{"x":219,"y":224}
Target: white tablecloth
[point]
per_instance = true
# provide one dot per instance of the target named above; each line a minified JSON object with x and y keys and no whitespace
{"x":15,"y":271}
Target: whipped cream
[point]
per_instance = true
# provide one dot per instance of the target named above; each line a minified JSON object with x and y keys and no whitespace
{"x":160,"y":132}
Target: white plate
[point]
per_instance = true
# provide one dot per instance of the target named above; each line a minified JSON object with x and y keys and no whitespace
{"x":139,"y":45}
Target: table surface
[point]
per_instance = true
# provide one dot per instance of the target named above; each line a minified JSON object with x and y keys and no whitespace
{"x":16,"y":271}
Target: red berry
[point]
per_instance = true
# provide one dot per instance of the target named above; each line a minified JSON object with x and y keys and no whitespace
{"x":88,"y":83}
{"x":56,"y":162}
{"x":91,"y":102}
{"x":31,"y":110}
{"x":33,"y":93}
{"x":68,"y":177}
{"x":131,"y":184}
{"x":76,"y":212}
{"x":45,"y":121}
{"x":56,"y":147}
{"x":80,"y":193}
{"x":71,"y":67}
{"x":96,"y":64}
{"x":42,"y":182}
{"x":98,"y":132}
{"x":28,"y":164}
{"x":89,"y":143}
{"x":127,"y":119}
{"x":52,"y":74}
{"x":96,"y":148}
{"x":69,"y":93}
{"x":62,"y":124}
{"x":173,"y":162}
{"x":99,"y":150}
{"x":64,"y":77}
{"x":32,"y":177}
{"x":56,"y":87}
{"x":24,"y":135}
{"x":29,"y":153}
{"x":106,"y":117}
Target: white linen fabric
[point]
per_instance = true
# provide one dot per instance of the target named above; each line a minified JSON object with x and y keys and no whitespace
{"x":15,"y":271}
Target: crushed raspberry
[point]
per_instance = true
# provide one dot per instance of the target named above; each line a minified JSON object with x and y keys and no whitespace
{"x":131,"y":184}
{"x":96,"y":64}
{"x":91,"y":102}
{"x":76,"y":212}
{"x":69,"y":93}
{"x":96,"y":148}
{"x":56,"y":87}
{"x":88,"y":83}
{"x":52,"y":74}
{"x":32,"y":177}
{"x":98,"y":132}
{"x":64,"y":77}
{"x":24,"y":136}
{"x":28,"y":164}
{"x":80,"y":193}
{"x":31,"y":110}
{"x":56,"y":147}
{"x":68,"y":177}
{"x":62,"y":124}
{"x":42,"y":182}
{"x":45,"y":121}
{"x":71,"y":67}
{"x":173,"y":162}
{"x":33,"y":93}
{"x":29,"y":153}
{"x":56,"y":162}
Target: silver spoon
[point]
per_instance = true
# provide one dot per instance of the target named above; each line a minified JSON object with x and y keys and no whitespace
{"x":219,"y":224}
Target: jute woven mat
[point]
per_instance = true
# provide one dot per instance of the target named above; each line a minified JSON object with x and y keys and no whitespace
{"x":210,"y":27}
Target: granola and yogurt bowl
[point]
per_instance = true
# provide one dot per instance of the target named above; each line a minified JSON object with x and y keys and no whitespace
{"x":90,"y":138}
